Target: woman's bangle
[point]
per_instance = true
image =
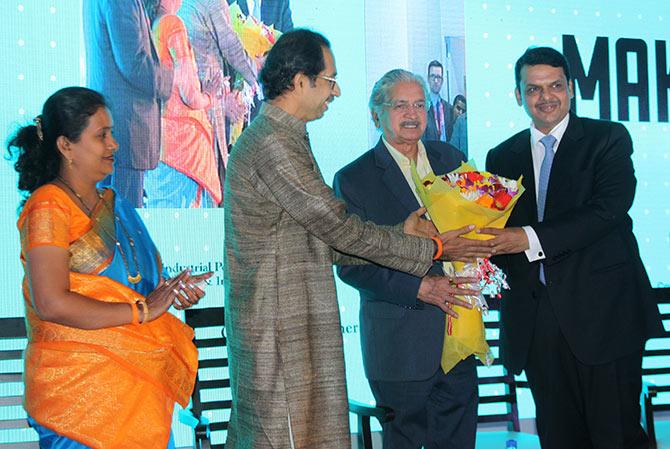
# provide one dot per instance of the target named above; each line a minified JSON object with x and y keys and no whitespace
{"x":438,"y":248}
{"x":145,"y":310}
{"x":136,"y":313}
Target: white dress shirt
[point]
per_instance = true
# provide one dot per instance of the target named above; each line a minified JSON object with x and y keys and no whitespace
{"x":535,"y":251}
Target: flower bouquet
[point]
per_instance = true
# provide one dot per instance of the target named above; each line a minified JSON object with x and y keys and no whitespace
{"x":257,"y":38}
{"x":461,"y":197}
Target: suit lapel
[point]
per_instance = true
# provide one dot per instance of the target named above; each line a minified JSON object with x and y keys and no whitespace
{"x":527,"y":205}
{"x":438,"y":162}
{"x":393,"y":178}
{"x":562,"y":168}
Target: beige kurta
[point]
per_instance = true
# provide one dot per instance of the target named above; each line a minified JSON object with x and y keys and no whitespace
{"x":282,"y":318}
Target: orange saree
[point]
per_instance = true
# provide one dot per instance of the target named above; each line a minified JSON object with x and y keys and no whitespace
{"x":107,"y":388}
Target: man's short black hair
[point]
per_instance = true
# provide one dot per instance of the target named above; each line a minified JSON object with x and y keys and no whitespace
{"x":296,"y":51}
{"x":541,"y":55}
{"x":435,"y":63}
{"x":460,"y":98}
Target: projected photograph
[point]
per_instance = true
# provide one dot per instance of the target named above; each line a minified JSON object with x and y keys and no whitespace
{"x":182,"y":81}
{"x":428,"y":41}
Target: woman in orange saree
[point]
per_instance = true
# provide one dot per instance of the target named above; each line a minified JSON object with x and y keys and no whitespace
{"x":105,"y":363}
{"x":187,"y":174}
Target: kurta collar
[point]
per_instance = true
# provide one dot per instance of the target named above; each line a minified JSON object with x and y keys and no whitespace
{"x":283,"y":117}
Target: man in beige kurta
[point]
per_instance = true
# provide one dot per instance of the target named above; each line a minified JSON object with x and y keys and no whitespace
{"x":284,"y":229}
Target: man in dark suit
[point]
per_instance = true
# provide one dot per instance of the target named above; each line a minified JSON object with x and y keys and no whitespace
{"x":272,"y":12}
{"x":580,"y":305}
{"x":402,"y":317}
{"x":123,"y":65}
{"x":438,"y":126}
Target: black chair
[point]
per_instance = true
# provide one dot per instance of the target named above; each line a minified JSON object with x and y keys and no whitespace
{"x":211,"y":395}
{"x":364,"y":413}
{"x":652,"y":393}
{"x":14,"y":430}
{"x":496,"y":385}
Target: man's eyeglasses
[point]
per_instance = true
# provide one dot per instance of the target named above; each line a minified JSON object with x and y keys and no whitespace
{"x":332,"y":80}
{"x":435,"y":77}
{"x":405,"y":106}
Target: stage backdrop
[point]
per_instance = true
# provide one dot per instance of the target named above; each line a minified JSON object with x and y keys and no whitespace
{"x":618,"y":53}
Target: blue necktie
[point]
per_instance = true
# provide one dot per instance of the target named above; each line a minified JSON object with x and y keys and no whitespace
{"x":548,"y":142}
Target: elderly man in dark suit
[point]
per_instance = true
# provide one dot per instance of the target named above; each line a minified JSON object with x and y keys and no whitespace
{"x":123,"y":65}
{"x":580,"y":307}
{"x":402,"y":316}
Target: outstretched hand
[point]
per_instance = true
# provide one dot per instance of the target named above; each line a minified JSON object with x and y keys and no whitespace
{"x":507,"y":240}
{"x":462,"y":249}
{"x":416,"y":225}
{"x":441,"y":291}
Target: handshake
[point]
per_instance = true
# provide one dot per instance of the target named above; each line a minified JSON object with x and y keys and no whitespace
{"x":455,"y":247}
{"x":446,"y":292}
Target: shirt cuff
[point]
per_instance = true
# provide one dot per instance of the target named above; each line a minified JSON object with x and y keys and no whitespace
{"x":534,"y":251}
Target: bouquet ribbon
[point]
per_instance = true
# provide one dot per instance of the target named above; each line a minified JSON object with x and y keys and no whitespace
{"x":450,"y":208}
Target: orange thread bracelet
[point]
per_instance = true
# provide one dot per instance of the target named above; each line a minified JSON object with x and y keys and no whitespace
{"x":440,"y":248}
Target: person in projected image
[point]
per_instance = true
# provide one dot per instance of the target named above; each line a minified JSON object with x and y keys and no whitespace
{"x":440,"y":111}
{"x":459,"y":125}
{"x":580,"y":306}
{"x":122,"y":64}
{"x":402,"y":312}
{"x":284,"y":230}
{"x":271,"y":12}
{"x":218,"y":49}
{"x":105,"y":361}
{"x":187,"y":173}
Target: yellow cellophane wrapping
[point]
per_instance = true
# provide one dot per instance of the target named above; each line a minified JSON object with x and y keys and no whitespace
{"x":108,"y":388}
{"x":255,"y":36}
{"x":449,"y":210}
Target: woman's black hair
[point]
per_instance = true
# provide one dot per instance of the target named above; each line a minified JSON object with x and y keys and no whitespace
{"x":33,"y":147}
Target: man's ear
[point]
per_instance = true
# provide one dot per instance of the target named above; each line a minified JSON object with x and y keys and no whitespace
{"x":298,"y":80}
{"x":571,"y":89}
{"x":517,"y":93}
{"x":375,"y":119}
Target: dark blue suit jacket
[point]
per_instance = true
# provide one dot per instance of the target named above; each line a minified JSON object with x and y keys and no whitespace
{"x":595,"y":279}
{"x":431,"y":133}
{"x":273,"y":12}
{"x":401,"y":336}
{"x":123,"y":65}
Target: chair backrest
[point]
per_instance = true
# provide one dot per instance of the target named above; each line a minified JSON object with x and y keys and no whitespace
{"x":497,"y":388}
{"x":211,"y":397}
{"x":656,"y":363}
{"x":14,"y":430}
{"x":656,"y":366}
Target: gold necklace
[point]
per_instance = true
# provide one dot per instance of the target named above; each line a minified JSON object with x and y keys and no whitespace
{"x":133,"y":279}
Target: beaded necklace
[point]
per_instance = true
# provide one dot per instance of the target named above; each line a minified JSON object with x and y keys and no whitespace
{"x":133,"y":279}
